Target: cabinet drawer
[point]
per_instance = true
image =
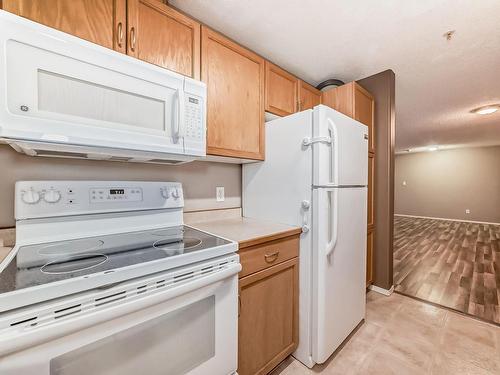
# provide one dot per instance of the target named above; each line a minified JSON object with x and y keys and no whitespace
{"x":259,"y":257}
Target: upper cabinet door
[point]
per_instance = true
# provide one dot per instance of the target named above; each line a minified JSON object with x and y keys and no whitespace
{"x":281,"y":91}
{"x":309,"y":96}
{"x":364,"y":106}
{"x":163,"y":36}
{"x":235,"y":109}
{"x":99,"y":21}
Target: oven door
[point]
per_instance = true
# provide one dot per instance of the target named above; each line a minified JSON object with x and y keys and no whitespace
{"x":187,"y":329}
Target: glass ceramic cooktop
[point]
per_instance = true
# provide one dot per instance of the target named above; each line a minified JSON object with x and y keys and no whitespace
{"x":48,"y":262}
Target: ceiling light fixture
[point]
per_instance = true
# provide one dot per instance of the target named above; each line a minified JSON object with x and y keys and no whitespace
{"x":486,"y":110}
{"x":432,"y":148}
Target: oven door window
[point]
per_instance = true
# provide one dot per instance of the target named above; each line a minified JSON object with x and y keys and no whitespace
{"x":174,"y":343}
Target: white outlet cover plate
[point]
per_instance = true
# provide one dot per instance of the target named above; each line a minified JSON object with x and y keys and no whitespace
{"x":219,"y":194}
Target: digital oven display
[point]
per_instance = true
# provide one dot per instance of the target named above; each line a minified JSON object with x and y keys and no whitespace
{"x":116,"y":191}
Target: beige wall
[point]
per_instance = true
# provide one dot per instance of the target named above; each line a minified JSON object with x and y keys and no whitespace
{"x":199,"y":178}
{"x":446,"y":183}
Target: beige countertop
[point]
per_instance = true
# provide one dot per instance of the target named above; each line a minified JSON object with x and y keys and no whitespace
{"x":246,"y":231}
{"x":7,"y":241}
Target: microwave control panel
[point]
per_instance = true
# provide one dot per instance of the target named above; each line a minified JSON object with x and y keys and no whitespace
{"x":193,"y":117}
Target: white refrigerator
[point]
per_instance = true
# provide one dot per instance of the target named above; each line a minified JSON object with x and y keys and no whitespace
{"x":315,"y":176}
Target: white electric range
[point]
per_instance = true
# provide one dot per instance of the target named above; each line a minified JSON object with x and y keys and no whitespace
{"x":106,"y":279}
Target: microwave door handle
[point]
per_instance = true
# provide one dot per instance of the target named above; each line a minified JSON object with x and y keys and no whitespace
{"x":178,"y":113}
{"x":332,"y":221}
{"x":182,"y":122}
{"x":334,"y":160}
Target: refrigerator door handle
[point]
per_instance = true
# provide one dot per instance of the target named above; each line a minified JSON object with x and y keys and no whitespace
{"x":332,"y":221}
{"x":334,"y":159}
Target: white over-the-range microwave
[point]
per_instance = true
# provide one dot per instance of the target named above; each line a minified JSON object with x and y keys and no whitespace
{"x":64,"y":96}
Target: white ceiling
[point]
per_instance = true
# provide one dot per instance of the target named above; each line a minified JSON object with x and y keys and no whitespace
{"x":437,"y":81}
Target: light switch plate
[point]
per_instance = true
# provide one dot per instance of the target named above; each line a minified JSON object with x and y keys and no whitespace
{"x":219,"y":194}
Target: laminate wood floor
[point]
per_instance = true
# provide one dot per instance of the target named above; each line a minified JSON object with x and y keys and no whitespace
{"x":450,"y":263}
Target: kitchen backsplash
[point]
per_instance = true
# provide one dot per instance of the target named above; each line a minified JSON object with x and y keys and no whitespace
{"x":199,"y":179}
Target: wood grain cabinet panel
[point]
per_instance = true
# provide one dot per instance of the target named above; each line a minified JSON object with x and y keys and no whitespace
{"x":259,"y":257}
{"x":235,"y":109}
{"x":369,"y":256}
{"x":268,"y":318}
{"x":100,"y":21}
{"x":281,"y":91}
{"x":163,"y":36}
{"x":309,"y":96}
{"x":364,"y":107}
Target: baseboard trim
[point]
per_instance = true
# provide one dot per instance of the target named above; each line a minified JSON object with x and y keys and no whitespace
{"x":385,"y":292}
{"x":446,"y":219}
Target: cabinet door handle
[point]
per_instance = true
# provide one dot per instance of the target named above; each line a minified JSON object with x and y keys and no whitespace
{"x":239,"y":305}
{"x":269,"y":258}
{"x":119,"y":36}
{"x":132,"y":39}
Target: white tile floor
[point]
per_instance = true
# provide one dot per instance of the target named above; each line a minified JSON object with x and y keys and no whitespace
{"x":405,"y":336}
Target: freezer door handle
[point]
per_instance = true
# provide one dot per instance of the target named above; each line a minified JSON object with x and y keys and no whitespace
{"x":332,"y":221}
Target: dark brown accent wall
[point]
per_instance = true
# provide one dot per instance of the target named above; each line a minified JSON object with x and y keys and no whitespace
{"x":382,"y":87}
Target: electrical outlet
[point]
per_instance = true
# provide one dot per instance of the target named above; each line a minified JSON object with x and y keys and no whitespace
{"x":404,"y":183}
{"x":467,"y":211}
{"x":219,"y":194}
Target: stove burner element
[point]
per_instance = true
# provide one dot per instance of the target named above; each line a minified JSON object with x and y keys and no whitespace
{"x":74,"y":264}
{"x":177,"y":247}
{"x":77,"y":246}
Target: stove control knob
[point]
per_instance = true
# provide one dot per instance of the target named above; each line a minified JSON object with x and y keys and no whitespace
{"x":30,"y":197}
{"x":164,"y":193}
{"x":175,"y":193}
{"x":52,"y":196}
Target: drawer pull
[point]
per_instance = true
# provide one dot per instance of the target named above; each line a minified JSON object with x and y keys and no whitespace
{"x":270,"y":258}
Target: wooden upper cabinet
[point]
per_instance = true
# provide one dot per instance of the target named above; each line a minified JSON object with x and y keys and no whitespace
{"x":309,"y":96}
{"x":99,"y":21}
{"x":163,"y":36}
{"x":353,"y":100}
{"x":281,"y":91}
{"x":235,"y":85}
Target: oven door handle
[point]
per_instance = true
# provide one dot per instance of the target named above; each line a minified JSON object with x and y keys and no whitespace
{"x":19,"y":339}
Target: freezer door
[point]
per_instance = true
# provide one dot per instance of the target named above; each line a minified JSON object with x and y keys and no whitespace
{"x":341,"y":152}
{"x":339,"y":263}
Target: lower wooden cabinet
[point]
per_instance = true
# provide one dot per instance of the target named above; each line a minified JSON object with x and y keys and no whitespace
{"x":268,"y":313}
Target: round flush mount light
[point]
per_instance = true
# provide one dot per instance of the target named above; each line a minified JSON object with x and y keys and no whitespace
{"x":486,"y":110}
